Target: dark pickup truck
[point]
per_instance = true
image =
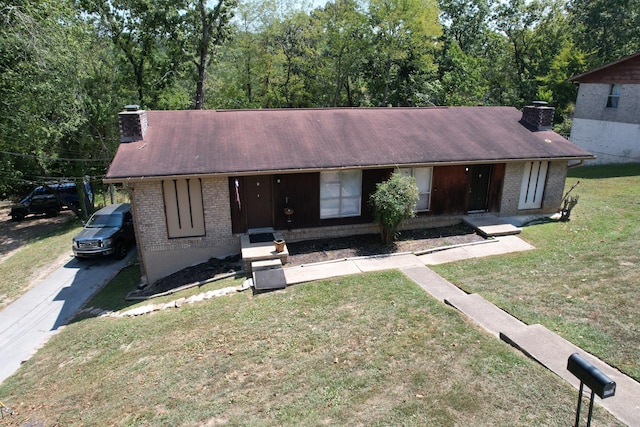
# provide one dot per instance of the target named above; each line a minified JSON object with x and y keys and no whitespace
{"x":48,"y":200}
{"x":108,"y":232}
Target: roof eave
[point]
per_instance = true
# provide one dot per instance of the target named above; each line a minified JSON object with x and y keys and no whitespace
{"x":124,"y":180}
{"x":602,"y":67}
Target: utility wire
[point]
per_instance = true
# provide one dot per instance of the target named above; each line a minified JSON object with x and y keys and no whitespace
{"x":33,"y":156}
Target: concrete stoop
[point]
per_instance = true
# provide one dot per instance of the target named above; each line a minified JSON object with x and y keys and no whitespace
{"x":261,"y":251}
{"x":491,"y":226}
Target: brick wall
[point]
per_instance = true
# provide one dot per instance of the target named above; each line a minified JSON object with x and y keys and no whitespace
{"x":133,"y":125}
{"x":591,"y":103}
{"x":553,"y":191}
{"x":511,"y":189}
{"x":161,"y":255}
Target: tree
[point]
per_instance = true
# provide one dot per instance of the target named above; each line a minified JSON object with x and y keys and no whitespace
{"x":463,"y":77}
{"x":394,"y":201}
{"x":467,"y":23}
{"x":200,"y":31}
{"x":294,"y":48}
{"x":405,"y":33}
{"x":518,"y":20}
{"x":606,"y":30}
{"x":40,"y":85}
{"x":139,"y":30}
{"x":344,"y":45}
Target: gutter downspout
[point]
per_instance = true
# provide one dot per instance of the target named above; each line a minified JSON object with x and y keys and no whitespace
{"x":575,"y":165}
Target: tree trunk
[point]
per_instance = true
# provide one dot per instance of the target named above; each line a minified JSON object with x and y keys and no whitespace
{"x":203,"y":56}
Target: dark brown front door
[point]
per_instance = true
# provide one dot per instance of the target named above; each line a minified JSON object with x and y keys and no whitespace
{"x":258,"y":204}
{"x":479,"y":188}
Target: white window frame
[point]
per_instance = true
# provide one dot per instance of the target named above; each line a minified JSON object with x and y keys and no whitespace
{"x":533,"y":182}
{"x":424,"y":185}
{"x":184,"y":210}
{"x":340,"y":194}
{"x":614,"y":96}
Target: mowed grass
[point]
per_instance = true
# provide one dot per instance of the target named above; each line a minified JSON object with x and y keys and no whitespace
{"x":371,"y":349}
{"x":583,"y":279}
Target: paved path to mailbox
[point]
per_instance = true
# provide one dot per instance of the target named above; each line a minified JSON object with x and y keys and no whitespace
{"x":535,"y":341}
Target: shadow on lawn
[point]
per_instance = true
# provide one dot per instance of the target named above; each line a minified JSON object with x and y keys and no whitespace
{"x":605,"y":171}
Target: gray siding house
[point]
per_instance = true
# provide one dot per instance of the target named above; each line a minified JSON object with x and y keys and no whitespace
{"x":606,"y":121}
{"x":200,"y":180}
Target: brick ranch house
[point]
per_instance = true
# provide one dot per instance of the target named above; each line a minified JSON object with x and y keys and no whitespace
{"x":199,"y":180}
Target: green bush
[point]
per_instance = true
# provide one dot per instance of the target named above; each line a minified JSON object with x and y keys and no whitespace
{"x":393,"y":201}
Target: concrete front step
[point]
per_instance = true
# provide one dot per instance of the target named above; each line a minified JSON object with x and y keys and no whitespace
{"x":491,"y":226}
{"x":268,"y":274}
{"x":261,"y":251}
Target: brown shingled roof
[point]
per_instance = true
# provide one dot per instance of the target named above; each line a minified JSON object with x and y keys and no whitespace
{"x":249,"y":141}
{"x":623,"y":71}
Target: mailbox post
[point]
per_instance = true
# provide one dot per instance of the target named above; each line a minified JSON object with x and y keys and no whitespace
{"x":598,"y":382}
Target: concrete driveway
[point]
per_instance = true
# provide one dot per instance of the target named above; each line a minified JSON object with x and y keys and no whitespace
{"x":29,"y":322}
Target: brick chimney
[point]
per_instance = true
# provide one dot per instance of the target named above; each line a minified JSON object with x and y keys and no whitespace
{"x":538,"y":115}
{"x":133,"y":123}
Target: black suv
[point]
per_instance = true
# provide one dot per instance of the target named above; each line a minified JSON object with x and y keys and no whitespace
{"x":108,"y":232}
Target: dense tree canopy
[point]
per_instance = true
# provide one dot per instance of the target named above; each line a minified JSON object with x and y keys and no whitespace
{"x":68,"y":66}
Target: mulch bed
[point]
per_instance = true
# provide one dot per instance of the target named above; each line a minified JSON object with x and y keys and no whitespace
{"x":311,"y":251}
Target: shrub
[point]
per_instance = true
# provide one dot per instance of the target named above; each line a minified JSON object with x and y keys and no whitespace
{"x":393,"y":201}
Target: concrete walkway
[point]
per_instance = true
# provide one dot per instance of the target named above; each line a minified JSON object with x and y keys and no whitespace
{"x":535,"y":341}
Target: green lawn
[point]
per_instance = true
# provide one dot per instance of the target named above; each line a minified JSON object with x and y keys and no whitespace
{"x":583,"y":280}
{"x":371,"y":349}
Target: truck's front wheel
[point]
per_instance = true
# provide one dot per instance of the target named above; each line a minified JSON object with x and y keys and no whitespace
{"x":17,"y":216}
{"x":121,"y":250}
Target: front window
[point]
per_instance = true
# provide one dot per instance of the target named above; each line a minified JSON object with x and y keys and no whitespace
{"x":614,"y":96}
{"x":340,"y":194}
{"x":423,"y":181}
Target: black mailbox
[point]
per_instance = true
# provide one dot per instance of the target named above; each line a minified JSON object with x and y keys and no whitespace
{"x":588,"y":374}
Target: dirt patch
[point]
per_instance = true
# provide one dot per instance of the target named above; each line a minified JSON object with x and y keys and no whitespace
{"x":14,"y":235}
{"x":311,"y":251}
{"x":194,"y":274}
{"x":370,"y":244}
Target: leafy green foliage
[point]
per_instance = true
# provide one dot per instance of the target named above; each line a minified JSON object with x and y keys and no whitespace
{"x":40,"y":108}
{"x":394,"y":201}
{"x":605,"y":30}
{"x":67,"y":67}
